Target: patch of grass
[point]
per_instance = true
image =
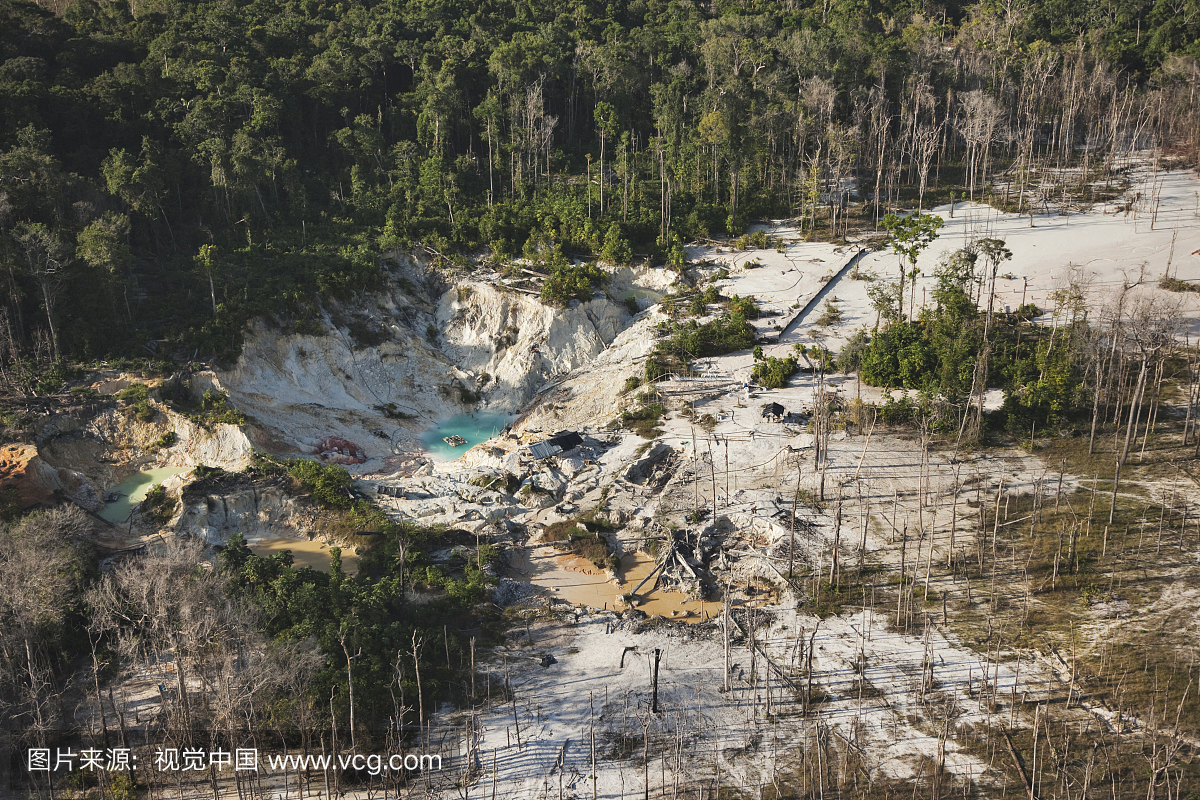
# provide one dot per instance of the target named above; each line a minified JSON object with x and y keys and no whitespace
{"x":134,"y":393}
{"x":391,"y":411}
{"x":168,"y":439}
{"x":203,"y":472}
{"x":561,"y":531}
{"x":215,"y":410}
{"x":644,"y":419}
{"x":581,"y":536}
{"x":1177,"y":285}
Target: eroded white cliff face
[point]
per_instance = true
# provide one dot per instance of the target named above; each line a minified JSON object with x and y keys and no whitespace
{"x":512,"y":345}
{"x":257,"y":513}
{"x":472,"y":346}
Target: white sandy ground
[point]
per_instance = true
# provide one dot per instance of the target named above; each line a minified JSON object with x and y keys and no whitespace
{"x":556,"y":704}
{"x":553,"y":703}
{"x":881,"y":489}
{"x":1106,"y":246}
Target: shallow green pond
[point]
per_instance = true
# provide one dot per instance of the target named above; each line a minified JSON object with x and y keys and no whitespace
{"x":133,"y":491}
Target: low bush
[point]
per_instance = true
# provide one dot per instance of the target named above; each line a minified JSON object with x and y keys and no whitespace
{"x":215,"y":409}
{"x":644,"y":420}
{"x":328,"y":483}
{"x":157,"y":505}
{"x":691,"y":340}
{"x":897,"y":412}
{"x":567,"y":282}
{"x":744,"y":307}
{"x":1177,"y":285}
{"x":774,"y":373}
{"x":134,"y":393}
{"x":562,"y":531}
{"x":831,"y":315}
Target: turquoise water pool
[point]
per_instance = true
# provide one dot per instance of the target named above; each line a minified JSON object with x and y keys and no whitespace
{"x":475,"y":428}
{"x":133,"y":491}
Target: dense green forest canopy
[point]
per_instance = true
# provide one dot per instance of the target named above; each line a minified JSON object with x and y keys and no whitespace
{"x":170,"y":169}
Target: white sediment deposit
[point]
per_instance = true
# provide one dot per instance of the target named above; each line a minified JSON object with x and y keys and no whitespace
{"x":512,"y":345}
{"x":471,"y":346}
{"x":727,"y":500}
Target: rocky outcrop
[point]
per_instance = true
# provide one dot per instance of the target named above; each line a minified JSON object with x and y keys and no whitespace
{"x":255,"y":512}
{"x":36,"y":482}
{"x":512,"y":344}
{"x":389,"y":367}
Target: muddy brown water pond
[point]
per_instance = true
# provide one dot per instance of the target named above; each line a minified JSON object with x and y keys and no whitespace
{"x":580,"y":582}
{"x":313,"y":554}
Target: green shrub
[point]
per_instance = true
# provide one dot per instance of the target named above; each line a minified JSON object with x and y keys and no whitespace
{"x":566,"y":282}
{"x":850,"y":357}
{"x":745,"y":307}
{"x":616,"y":246}
{"x":723,"y":335}
{"x":328,"y":483}
{"x":134,"y":393}
{"x":643,"y":420}
{"x":897,"y":412}
{"x":562,"y":530}
{"x":203,"y":472}
{"x":1177,"y":285}
{"x":52,"y":380}
{"x":10,"y":503}
{"x":592,"y":547}
{"x":901,"y":356}
{"x":215,"y":408}
{"x":488,"y":554}
{"x":168,"y":439}
{"x":137,"y":396}
{"x":157,"y":505}
{"x":774,"y":373}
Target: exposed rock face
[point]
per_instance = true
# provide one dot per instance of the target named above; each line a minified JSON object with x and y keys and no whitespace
{"x":112,"y":445}
{"x":519,"y":342}
{"x":256,"y":513}
{"x":36,"y":481}
{"x":596,"y":394}
{"x":652,"y":465}
{"x":309,"y":388}
{"x":427,"y":357}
